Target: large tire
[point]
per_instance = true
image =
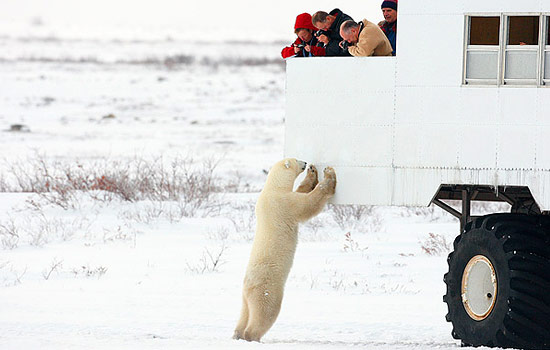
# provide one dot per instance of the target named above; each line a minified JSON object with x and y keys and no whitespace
{"x":498,"y":284}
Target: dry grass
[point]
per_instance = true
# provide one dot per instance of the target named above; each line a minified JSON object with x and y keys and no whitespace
{"x":192,"y":185}
{"x":435,"y":245}
{"x":356,"y":217}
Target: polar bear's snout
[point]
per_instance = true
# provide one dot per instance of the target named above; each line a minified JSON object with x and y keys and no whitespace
{"x":302,"y":164}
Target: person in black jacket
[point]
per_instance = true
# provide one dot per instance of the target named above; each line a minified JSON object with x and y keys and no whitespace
{"x":331,"y":22}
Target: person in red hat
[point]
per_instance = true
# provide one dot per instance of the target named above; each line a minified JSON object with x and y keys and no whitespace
{"x":389,"y":25}
{"x":306,"y":45}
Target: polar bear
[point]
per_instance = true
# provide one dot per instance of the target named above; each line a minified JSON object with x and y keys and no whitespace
{"x":279,"y":210}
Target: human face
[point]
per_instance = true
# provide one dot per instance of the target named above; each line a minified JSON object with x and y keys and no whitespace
{"x":350,"y":37}
{"x":304,"y":34}
{"x":390,"y":15}
{"x":326,"y":24}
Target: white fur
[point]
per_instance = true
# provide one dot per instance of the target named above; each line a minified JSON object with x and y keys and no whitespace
{"x":278,"y":213}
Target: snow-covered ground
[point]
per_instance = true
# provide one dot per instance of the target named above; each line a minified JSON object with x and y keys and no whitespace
{"x":106,"y":258}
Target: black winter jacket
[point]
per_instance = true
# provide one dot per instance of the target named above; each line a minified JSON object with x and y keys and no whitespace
{"x":333,"y":48}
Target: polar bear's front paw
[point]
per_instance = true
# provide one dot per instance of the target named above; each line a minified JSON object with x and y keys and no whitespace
{"x":310,"y":181}
{"x":329,"y":172}
{"x":312,"y":172}
{"x":330,"y":179}
{"x":312,"y":176}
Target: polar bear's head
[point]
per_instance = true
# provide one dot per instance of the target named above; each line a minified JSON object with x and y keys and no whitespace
{"x":284,"y":173}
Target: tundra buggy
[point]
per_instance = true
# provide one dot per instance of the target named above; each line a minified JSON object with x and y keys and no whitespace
{"x":462,"y":113}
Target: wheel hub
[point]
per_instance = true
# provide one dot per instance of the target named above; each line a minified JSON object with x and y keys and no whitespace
{"x":479,"y":288}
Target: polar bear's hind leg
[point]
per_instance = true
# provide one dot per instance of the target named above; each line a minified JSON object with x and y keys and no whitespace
{"x":243,"y":321}
{"x":264,"y":309}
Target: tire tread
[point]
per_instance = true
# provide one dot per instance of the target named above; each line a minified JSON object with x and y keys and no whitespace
{"x":522,"y":242}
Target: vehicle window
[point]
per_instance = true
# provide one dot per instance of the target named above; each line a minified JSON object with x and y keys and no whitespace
{"x":484,"y":30}
{"x":482,"y":51}
{"x":546,"y":77}
{"x":522,"y":51}
{"x":523,"y":30}
{"x":521,"y":58}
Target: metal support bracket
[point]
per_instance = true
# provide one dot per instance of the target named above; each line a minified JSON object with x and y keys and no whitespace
{"x":466,"y":206}
{"x":447,"y":208}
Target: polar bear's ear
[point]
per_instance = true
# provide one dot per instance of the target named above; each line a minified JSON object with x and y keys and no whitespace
{"x":287,"y":164}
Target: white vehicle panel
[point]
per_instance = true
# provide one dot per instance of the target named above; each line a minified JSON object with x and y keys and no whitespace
{"x":433,"y":47}
{"x":503,"y":6}
{"x":478,"y":147}
{"x":375,"y":190}
{"x":543,"y":107}
{"x":409,"y":99}
{"x":513,"y":110}
{"x":479,"y":106}
{"x":543,"y":147}
{"x":516,"y":147}
{"x":440,"y":146}
{"x":397,"y":128}
{"x":430,"y":7}
{"x":408,"y":154}
{"x":440,"y":105}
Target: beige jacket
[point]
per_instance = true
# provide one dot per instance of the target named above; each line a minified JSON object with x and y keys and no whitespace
{"x":372,"y":42}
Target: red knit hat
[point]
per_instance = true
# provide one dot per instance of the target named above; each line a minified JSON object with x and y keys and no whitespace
{"x":303,"y":21}
{"x":392,"y":4}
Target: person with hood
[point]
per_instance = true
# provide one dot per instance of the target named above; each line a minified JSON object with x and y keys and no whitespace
{"x":389,"y":25}
{"x":306,"y":45}
{"x":365,"y":39}
{"x":330,"y":23}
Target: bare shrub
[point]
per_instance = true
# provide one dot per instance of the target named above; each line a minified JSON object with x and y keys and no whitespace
{"x":242,"y":217}
{"x":351,"y":245}
{"x":55,"y":265}
{"x":220,"y":234}
{"x":145,"y":214}
{"x":313,"y":281}
{"x":16,"y":275}
{"x":29,"y":176}
{"x":314,"y":224}
{"x":485,"y":208}
{"x":4,"y":187}
{"x":431,"y":213}
{"x":435,"y":245}
{"x":88,"y":271}
{"x":244,"y":220}
{"x":119,"y":234}
{"x":337,"y":284}
{"x":209,"y":262}
{"x":38,"y":229}
{"x":191,"y":184}
{"x":236,"y":182}
{"x":197,"y":207}
{"x":42,"y":229}
{"x":9,"y":234}
{"x":363,"y":217}
{"x":311,"y":230}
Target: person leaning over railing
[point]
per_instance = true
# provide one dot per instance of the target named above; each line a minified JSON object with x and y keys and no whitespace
{"x":306,"y":45}
{"x":364,"y":39}
{"x":329,"y":30}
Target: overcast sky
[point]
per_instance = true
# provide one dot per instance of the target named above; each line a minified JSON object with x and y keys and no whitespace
{"x":238,"y":19}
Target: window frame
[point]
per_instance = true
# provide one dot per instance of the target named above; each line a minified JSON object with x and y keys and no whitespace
{"x":542,"y":50}
{"x":545,"y":48}
{"x":480,"y":48}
